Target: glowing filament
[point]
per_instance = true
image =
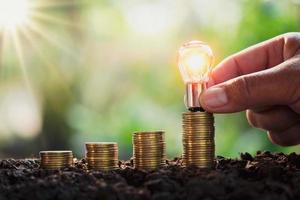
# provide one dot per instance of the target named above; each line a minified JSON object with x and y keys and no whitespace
{"x":194,"y":60}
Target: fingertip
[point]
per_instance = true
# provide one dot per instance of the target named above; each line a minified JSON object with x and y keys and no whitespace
{"x":204,"y":106}
{"x":213,"y":99}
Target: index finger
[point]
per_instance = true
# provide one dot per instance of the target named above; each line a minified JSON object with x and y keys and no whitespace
{"x":255,"y":58}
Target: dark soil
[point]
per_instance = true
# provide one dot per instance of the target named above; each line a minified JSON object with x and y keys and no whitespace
{"x":265,"y":176}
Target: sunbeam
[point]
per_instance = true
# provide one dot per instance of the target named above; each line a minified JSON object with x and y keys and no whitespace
{"x":51,"y":19}
{"x":5,"y":40}
{"x":59,"y":3}
{"x":20,"y":56}
{"x":31,"y":18}
{"x":54,"y":70}
{"x":52,"y":39}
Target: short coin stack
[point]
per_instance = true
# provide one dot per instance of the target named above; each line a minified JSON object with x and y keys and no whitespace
{"x":56,"y":159}
{"x":149,"y":150}
{"x":102,"y":155}
{"x":198,"y":139}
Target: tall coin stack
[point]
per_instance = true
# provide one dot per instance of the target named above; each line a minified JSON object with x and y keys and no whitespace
{"x":102,"y":155}
{"x":198,"y":139}
{"x":56,"y":159}
{"x":149,"y":150}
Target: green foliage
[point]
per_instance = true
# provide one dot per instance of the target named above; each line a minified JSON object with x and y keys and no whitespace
{"x":104,"y":69}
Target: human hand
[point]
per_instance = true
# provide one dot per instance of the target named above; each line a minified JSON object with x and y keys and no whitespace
{"x":264,"y":80}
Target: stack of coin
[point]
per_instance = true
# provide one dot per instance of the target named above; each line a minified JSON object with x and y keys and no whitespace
{"x":102,"y":155}
{"x":56,"y":159}
{"x":198,"y":139}
{"x":149,"y":150}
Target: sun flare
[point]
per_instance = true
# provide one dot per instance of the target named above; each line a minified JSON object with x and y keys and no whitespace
{"x":13,"y":13}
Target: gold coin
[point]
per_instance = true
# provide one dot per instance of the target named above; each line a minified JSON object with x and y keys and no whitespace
{"x":101,"y":160}
{"x":101,"y":143}
{"x":198,"y":139}
{"x":197,"y":154}
{"x":102,"y":155}
{"x":97,"y":146}
{"x":56,"y":152}
{"x":200,"y":156}
{"x":157,"y":159}
{"x":199,"y":149}
{"x":147,"y":164}
{"x":143,"y":133}
{"x":148,"y":149}
{"x":101,"y":149}
{"x":196,"y":147}
{"x":197,"y":161}
{"x":56,"y":159}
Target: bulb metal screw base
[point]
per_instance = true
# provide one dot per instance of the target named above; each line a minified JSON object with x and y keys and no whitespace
{"x":198,"y":139}
{"x":193,"y":91}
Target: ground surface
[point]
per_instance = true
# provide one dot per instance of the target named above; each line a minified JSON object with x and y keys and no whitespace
{"x":265,"y":176}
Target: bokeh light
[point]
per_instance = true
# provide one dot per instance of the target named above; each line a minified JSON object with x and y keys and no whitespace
{"x":76,"y":71}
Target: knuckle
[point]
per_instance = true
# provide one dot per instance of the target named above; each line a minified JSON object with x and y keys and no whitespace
{"x":290,"y":81}
{"x":291,"y":35}
{"x":287,"y":76}
{"x":291,"y":45}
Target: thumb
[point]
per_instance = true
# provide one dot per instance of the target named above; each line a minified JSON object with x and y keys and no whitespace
{"x":274,"y":86}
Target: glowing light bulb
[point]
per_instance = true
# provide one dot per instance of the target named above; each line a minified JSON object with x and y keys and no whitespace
{"x":195,"y":63}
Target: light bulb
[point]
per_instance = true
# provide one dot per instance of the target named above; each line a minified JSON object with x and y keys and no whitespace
{"x":195,"y":63}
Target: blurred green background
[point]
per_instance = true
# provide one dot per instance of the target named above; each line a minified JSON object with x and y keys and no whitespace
{"x":98,"y":70}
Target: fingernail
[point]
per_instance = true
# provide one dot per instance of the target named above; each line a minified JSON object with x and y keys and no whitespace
{"x":215,"y":97}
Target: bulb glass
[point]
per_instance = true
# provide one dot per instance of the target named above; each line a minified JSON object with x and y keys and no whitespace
{"x":195,"y":61}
